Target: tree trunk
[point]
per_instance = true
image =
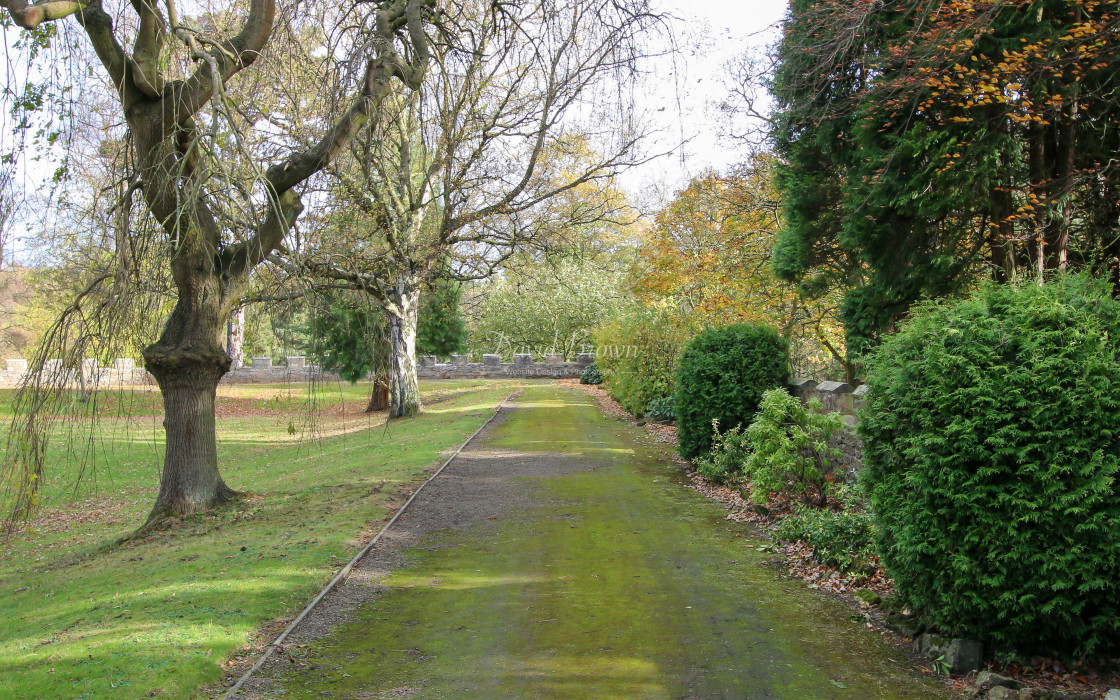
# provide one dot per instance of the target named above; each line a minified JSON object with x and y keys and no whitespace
{"x":187,"y":362}
{"x":405,"y":385}
{"x":190,"y":481}
{"x":379,"y":397}
{"x":235,"y":338}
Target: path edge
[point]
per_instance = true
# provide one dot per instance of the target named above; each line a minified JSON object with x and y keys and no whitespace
{"x":345,"y":571}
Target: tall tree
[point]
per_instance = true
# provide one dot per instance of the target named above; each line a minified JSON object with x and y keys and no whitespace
{"x":927,"y":143}
{"x":220,"y":207}
{"x":478,"y":163}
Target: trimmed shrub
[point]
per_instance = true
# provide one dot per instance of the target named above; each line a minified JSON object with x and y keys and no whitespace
{"x":638,"y":352}
{"x":992,"y":456}
{"x":790,"y":449}
{"x":723,"y":374}
{"x":842,"y":540}
{"x":663,"y":410}
{"x":591,"y":375}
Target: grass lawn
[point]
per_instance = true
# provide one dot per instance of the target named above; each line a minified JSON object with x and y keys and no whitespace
{"x":80,"y":618}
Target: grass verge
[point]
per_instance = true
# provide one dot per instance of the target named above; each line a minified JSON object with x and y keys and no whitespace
{"x":163,"y":616}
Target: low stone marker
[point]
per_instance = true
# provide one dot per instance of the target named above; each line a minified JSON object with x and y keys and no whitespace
{"x":960,"y":655}
{"x":262,"y":363}
{"x":491,"y":360}
{"x":522,"y":360}
{"x":295,"y":362}
{"x":554,"y":359}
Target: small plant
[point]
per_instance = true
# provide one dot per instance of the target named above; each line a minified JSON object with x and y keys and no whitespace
{"x":591,"y":375}
{"x":724,"y":463}
{"x":789,"y":444}
{"x":663,"y":410}
{"x":941,"y":666}
{"x":841,"y":539}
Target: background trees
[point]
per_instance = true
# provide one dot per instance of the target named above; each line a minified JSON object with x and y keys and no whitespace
{"x":930,"y":143}
{"x":526,"y":106}
{"x":546,"y":307}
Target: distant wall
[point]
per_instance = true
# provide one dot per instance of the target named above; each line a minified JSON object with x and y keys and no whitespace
{"x":492,"y":367}
{"x":125,"y":372}
{"x":845,"y":400}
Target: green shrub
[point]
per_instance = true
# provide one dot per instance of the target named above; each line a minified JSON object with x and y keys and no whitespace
{"x":591,"y":375}
{"x":638,"y":352}
{"x":723,"y":374}
{"x":789,"y":447}
{"x":724,"y":462}
{"x":992,"y":454}
{"x":663,"y":409}
{"x":842,"y":540}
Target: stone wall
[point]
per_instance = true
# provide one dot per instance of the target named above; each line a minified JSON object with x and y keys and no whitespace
{"x":492,"y":367}
{"x":261,"y":370}
{"x":843,"y":399}
{"x":125,"y":372}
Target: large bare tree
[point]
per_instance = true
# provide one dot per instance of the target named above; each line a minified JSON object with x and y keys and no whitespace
{"x":526,"y":104}
{"x":171,"y":75}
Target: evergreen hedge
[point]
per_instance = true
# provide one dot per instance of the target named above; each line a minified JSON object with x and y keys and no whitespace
{"x":992,"y":451}
{"x":722,"y":375}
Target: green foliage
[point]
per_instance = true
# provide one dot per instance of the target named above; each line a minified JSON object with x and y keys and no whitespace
{"x":348,"y":337}
{"x":992,"y":453}
{"x":722,"y":376}
{"x":790,"y":447}
{"x":591,"y":375}
{"x":542,"y":308}
{"x":441,"y":329}
{"x":663,"y":409}
{"x":638,"y":350}
{"x":840,"y":539}
{"x":913,"y":164}
{"x":723,"y":464}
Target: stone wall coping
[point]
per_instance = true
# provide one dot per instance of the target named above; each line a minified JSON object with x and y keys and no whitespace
{"x":834,"y":388}
{"x":861,"y":391}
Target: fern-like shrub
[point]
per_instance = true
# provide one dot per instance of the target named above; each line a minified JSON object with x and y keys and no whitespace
{"x":591,"y":375}
{"x":724,"y":462}
{"x":790,"y":448}
{"x":722,"y":376}
{"x":992,"y":461}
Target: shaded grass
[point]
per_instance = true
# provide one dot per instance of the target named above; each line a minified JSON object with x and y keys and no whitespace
{"x":81,"y":618}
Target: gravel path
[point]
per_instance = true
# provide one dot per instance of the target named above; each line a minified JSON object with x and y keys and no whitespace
{"x":560,"y":556}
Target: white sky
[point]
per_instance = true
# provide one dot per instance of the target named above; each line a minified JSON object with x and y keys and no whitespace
{"x":711,"y":32}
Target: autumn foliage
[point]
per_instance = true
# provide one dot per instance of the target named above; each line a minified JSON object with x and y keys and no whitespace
{"x":927,"y":144}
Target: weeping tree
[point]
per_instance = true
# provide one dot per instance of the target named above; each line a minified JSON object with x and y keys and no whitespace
{"x":526,"y":104}
{"x":208,"y":179}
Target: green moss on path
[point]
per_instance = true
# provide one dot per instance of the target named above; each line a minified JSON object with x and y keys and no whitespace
{"x":603,"y":578}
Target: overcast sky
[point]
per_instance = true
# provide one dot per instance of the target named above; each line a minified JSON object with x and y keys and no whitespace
{"x":683,"y":96}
